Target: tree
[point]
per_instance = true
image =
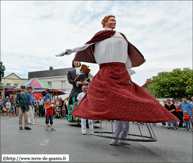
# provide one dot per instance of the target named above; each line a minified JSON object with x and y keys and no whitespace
{"x":175,"y":84}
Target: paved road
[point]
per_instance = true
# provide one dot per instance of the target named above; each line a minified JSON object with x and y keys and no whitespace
{"x":172,"y":145}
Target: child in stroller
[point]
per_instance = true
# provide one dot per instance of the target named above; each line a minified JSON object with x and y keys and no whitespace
{"x":58,"y":112}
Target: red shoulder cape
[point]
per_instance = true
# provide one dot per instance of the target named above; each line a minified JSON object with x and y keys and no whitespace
{"x":87,"y":55}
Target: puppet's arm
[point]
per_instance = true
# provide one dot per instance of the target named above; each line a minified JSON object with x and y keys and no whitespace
{"x":77,"y":49}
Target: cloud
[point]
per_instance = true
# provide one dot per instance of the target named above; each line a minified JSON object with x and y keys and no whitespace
{"x":32,"y":32}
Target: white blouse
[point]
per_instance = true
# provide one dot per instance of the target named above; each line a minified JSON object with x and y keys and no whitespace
{"x":113,"y":49}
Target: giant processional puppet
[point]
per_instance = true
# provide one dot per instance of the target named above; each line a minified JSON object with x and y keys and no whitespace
{"x":77,"y":77}
{"x":112,"y":95}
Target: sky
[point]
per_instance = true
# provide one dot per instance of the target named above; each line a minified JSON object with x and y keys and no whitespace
{"x":33,"y":32}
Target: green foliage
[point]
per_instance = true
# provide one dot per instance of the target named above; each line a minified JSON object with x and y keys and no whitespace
{"x":175,"y":84}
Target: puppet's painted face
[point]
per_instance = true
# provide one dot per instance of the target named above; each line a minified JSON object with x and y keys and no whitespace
{"x":111,"y":23}
{"x":76,"y":64}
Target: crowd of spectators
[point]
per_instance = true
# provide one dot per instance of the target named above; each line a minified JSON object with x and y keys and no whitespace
{"x":8,"y":107}
{"x":182,"y":110}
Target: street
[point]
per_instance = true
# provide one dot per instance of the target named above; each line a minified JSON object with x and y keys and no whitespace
{"x":172,"y":145}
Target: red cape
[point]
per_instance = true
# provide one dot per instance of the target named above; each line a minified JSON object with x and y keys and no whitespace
{"x":87,"y":55}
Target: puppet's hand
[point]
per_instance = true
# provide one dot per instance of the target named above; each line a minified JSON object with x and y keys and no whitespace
{"x":61,"y":54}
{"x":67,"y":52}
{"x":79,"y":83}
{"x":84,"y":83}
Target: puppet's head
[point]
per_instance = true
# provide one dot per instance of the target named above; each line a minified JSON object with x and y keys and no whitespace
{"x":76,"y":64}
{"x":109,"y":20}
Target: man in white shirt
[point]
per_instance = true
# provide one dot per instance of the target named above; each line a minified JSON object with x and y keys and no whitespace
{"x":41,"y":106}
{"x":83,"y":121}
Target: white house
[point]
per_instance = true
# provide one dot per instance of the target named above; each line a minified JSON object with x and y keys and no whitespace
{"x":57,"y":78}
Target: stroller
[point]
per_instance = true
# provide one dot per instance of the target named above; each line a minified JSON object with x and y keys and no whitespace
{"x":57,"y":112}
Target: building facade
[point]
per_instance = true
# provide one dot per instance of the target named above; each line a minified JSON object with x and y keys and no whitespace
{"x":57,"y":78}
{"x":13,"y":80}
{"x":145,"y":86}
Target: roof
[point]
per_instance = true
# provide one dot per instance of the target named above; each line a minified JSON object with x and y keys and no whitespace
{"x":12,"y":74}
{"x":49,"y":73}
{"x":36,"y":84}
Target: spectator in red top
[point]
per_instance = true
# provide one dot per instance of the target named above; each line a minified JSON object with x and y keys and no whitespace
{"x":187,"y":121}
{"x":49,"y":114}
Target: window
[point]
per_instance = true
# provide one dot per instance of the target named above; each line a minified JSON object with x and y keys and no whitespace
{"x":15,"y":84}
{"x":63,"y":84}
{"x":50,"y":83}
{"x":8,"y":83}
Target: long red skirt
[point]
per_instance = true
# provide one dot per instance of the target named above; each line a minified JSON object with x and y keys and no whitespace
{"x":112,"y":95}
